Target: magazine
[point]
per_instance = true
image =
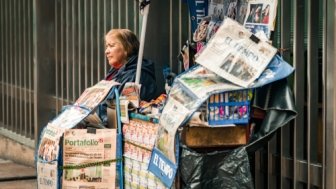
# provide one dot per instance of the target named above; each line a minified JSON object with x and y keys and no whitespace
{"x":94,"y":95}
{"x":236,"y":54}
{"x":89,"y":158}
{"x":218,"y":9}
{"x":261,"y":16}
{"x":241,"y":11}
{"x":47,"y":175}
{"x":49,"y":145}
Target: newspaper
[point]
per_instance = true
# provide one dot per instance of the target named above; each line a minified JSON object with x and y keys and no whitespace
{"x":70,"y":117}
{"x":235,"y":54}
{"x":171,"y":118}
{"x":89,"y":159}
{"x":47,"y":177}
{"x":201,"y":82}
{"x":261,"y":16}
{"x":49,"y":145}
{"x":92,"y":96}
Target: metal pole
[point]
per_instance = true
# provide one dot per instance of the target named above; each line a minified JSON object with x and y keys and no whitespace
{"x":145,"y":11}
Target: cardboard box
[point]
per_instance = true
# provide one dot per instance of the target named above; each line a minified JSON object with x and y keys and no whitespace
{"x":204,"y":137}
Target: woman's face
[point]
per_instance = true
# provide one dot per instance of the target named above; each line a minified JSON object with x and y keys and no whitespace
{"x":115,"y":53}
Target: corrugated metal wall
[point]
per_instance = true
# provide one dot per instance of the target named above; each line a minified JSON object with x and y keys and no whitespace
{"x":50,"y":51}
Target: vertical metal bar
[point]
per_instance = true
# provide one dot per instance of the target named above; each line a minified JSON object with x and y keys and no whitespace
{"x":119,"y":13}
{"x":12,"y":62}
{"x":31,"y":44}
{"x":285,"y":16}
{"x":67,"y":43}
{"x":7,"y":65}
{"x":105,"y":30}
{"x":57,"y":79}
{"x":2,"y":32}
{"x":73,"y":50}
{"x":62,"y":52}
{"x":85,"y":45}
{"x":20,"y":47}
{"x":79,"y":48}
{"x":14,"y":71}
{"x":312,"y":76}
{"x":35,"y":74}
{"x":98,"y":42}
{"x":329,"y":96}
{"x":298,"y":59}
{"x":25,"y":60}
{"x":126,"y":14}
{"x":170,"y":34}
{"x":15,"y":54}
{"x":180,"y":32}
{"x":92,"y":42}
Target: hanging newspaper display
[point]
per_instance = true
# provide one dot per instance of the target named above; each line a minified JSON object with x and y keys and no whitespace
{"x":48,"y":153}
{"x":193,"y":87}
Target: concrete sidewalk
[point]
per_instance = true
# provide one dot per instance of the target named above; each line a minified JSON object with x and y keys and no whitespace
{"x":16,"y":176}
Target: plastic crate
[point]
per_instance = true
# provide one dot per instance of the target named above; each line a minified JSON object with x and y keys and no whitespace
{"x":229,"y":108}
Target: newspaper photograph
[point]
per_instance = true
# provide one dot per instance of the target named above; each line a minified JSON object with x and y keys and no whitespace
{"x":261,"y":15}
{"x":92,"y":96}
{"x":241,"y":11}
{"x":88,"y":159}
{"x":201,"y":82}
{"x":235,"y":54}
{"x":218,"y":9}
{"x":48,"y":149}
{"x":70,"y":117}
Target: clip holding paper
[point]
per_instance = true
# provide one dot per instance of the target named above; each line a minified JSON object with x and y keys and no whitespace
{"x":254,"y":38}
{"x":91,"y":130}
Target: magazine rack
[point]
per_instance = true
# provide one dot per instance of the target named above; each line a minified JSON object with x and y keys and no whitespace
{"x":229,"y":108}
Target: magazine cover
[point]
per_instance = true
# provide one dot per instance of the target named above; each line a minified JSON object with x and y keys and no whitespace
{"x":89,"y":159}
{"x":49,"y":145}
{"x":241,"y":11}
{"x":92,"y":96}
{"x":261,"y":16}
{"x":218,"y":9}
{"x":236,"y":54}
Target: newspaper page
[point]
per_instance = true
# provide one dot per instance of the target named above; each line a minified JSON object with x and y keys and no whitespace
{"x":47,"y":177}
{"x":171,"y":118}
{"x":241,"y":11}
{"x":261,"y":17}
{"x":220,"y":8}
{"x":201,"y":82}
{"x":235,"y":54}
{"x":92,"y":96}
{"x":70,"y":117}
{"x":49,"y":146}
{"x":88,"y":159}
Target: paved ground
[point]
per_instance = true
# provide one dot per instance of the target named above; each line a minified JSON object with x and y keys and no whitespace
{"x":15,"y":176}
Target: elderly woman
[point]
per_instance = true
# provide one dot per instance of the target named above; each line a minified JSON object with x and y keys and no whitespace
{"x":121,"y":50}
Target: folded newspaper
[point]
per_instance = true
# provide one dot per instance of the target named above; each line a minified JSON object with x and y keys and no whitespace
{"x":236,"y":54}
{"x":89,"y":159}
